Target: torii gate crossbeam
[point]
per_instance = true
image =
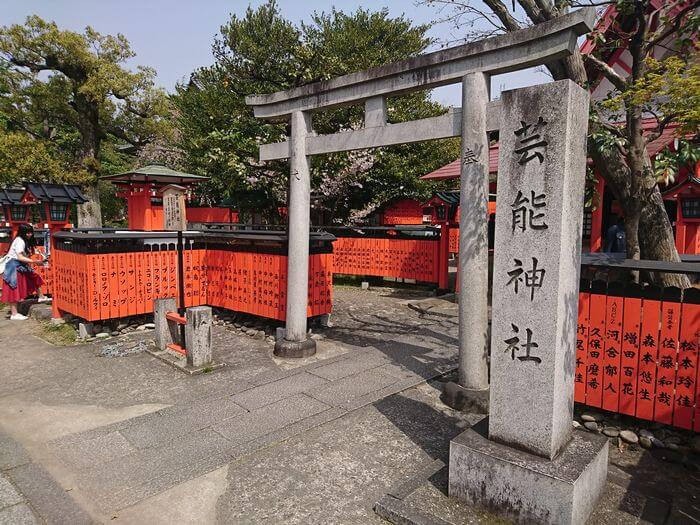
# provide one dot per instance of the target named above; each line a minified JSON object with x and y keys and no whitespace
{"x":472,"y":65}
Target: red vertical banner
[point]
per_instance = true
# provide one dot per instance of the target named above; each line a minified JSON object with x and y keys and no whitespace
{"x":94,"y":287}
{"x":142,"y":261}
{"x":613,"y":339}
{"x":648,"y":352}
{"x":103,"y":265}
{"x":631,"y":330}
{"x":584,"y":305}
{"x":687,"y":392}
{"x":187,"y":275}
{"x":270,"y":286}
{"x":84,"y":297}
{"x":173,"y":275}
{"x":282,"y":272}
{"x":309,"y":288}
{"x":156,"y":271}
{"x":123,"y":284}
{"x":596,"y":345}
{"x":149,"y":281}
{"x":668,"y":355}
{"x":162,"y":269}
{"x":113,"y":286}
{"x":197,"y":277}
{"x":329,"y":281}
{"x":256,"y":279}
{"x":132,"y":296}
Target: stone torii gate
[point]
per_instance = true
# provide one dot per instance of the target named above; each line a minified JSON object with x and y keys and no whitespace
{"x":472,"y":65}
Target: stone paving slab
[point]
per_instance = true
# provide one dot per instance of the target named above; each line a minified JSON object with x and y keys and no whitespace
{"x":132,"y":471}
{"x":288,"y":431}
{"x":168,"y":424}
{"x":48,"y":499}
{"x":270,"y":418}
{"x":342,"y":391}
{"x":17,"y":515}
{"x":349,"y":366}
{"x":99,"y":449}
{"x":12,"y":454}
{"x":159,"y":481}
{"x":268,"y":393}
{"x":8,"y":495}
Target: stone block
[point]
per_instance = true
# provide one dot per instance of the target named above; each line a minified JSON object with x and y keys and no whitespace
{"x":166,"y":332}
{"x":524,"y":487}
{"x":296,"y":349}
{"x":465,"y":399}
{"x":40,"y":311}
{"x":85,"y":330}
{"x":198,"y":335}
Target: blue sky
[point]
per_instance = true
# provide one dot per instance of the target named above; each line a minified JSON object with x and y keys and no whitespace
{"x":175,"y":36}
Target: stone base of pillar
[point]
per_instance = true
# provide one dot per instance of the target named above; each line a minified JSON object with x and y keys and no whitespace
{"x":463,"y":399}
{"x":526,"y":488}
{"x":285,"y":348}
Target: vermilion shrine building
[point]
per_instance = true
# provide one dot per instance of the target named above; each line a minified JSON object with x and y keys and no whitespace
{"x":145,"y":207}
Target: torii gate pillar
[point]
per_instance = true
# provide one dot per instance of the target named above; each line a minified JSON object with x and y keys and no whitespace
{"x":296,"y":343}
{"x":473,"y":239}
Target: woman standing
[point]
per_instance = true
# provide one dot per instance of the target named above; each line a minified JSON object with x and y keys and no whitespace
{"x":19,"y":279}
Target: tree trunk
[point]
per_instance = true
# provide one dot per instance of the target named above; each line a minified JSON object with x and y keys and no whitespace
{"x":90,"y":213}
{"x":656,"y":240}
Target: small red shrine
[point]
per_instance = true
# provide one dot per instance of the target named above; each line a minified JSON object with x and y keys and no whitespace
{"x":52,"y":201}
{"x":140,"y":188}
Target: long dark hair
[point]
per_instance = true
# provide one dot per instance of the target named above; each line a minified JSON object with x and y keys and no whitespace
{"x":23,"y":231}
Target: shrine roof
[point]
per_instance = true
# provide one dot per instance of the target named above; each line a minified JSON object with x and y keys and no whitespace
{"x":11,"y":195}
{"x":60,"y":193}
{"x":688,"y":184}
{"x":155,"y":174}
{"x":36,"y":192}
{"x":452,"y":170}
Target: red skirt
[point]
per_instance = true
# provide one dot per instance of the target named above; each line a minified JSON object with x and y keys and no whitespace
{"x":27,"y":284}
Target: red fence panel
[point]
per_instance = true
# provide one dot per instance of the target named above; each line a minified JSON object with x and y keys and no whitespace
{"x":629,"y":359}
{"x":668,"y":355}
{"x":584,"y":306}
{"x":613,"y":338}
{"x":687,"y":390}
{"x":649,"y":343}
{"x":596,"y":345}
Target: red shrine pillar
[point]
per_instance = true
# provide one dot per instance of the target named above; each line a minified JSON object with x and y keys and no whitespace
{"x":139,"y":207}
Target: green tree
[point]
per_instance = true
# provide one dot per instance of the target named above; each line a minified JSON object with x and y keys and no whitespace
{"x":72,"y":90}
{"x":667,"y":88}
{"x":262,"y":52}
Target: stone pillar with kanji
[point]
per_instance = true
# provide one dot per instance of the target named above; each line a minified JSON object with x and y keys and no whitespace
{"x":524,"y":461}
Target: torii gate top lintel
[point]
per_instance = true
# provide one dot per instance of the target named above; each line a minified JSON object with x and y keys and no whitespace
{"x":470,"y":64}
{"x":528,"y":47}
